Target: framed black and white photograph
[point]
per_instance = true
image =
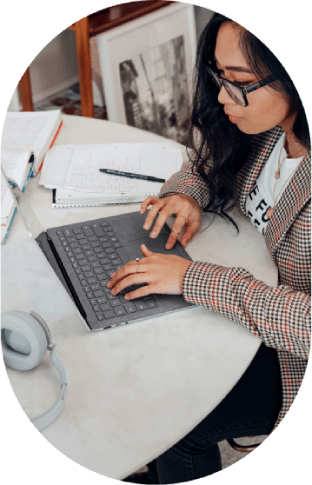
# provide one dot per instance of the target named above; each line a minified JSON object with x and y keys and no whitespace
{"x":146,"y":68}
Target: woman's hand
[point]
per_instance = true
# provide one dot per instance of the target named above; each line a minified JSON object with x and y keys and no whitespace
{"x":188,"y":212}
{"x":163,"y":274}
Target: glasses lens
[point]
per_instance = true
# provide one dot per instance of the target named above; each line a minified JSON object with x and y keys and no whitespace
{"x":214,"y":77}
{"x":235,"y":93}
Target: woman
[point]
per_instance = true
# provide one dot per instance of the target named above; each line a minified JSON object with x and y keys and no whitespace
{"x":252,"y":150}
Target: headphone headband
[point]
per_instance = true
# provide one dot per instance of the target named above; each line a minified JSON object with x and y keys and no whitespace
{"x":25,"y":340}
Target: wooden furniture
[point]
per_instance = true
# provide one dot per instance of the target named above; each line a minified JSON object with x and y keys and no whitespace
{"x":86,"y":28}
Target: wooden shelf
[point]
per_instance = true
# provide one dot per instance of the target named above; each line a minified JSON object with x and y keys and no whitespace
{"x":86,"y":28}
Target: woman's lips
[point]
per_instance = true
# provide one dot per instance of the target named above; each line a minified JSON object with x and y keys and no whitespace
{"x":234,"y":119}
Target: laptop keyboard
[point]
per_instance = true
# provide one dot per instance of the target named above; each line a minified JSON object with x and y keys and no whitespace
{"x":92,"y":250}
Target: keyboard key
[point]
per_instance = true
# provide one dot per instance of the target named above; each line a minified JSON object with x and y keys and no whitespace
{"x":89,"y":274}
{"x":98,"y":270}
{"x":77,"y":251}
{"x":80,"y":236}
{"x":80,"y":256}
{"x":92,"y":238}
{"x":151,"y":303}
{"x":140,"y":305}
{"x":92,"y":258}
{"x":119,"y":310}
{"x":65,"y":244}
{"x":98,"y":293}
{"x":95,"y":264}
{"x":115,"y":303}
{"x":77,"y":230}
{"x":104,"y":283}
{"x":130,"y":307}
{"x":117,"y":262}
{"x":104,"y":260}
{"x":117,"y":245}
{"x":99,"y":315}
{"x":113,"y":256}
{"x":114,"y":239}
{"x":110,"y":234}
{"x":81,"y":276}
{"x":82,"y":262}
{"x":107,"y":245}
{"x":84,"y":283}
{"x":89,"y":252}
{"x":73,"y":245}
{"x":92,"y":280}
{"x":98,"y":229}
{"x":105,"y":307}
{"x":60,"y":233}
{"x":109,"y":314}
{"x":87,"y":230}
{"x":103,"y":223}
{"x":95,"y":244}
{"x":102,"y":276}
{"x":83,"y":241}
{"x":101,"y":254}
{"x":77,"y":270}
{"x":111,"y":297}
{"x":111,"y":271}
{"x":87,"y":289}
{"x":109,"y":250}
{"x":90,"y":295}
{"x":107,"y":266}
{"x":102,"y":300}
{"x":96,"y":286}
{"x":103,"y":239}
{"x":85,"y":268}
{"x":68,"y":232}
{"x":85,"y":247}
{"x":93,"y":302}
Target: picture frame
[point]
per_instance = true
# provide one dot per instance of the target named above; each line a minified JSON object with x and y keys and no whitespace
{"x":147,"y":69}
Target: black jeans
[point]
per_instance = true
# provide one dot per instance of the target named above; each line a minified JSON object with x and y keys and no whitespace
{"x":250,"y":409}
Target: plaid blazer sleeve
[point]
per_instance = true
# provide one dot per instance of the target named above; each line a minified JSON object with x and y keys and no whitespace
{"x":279,"y":316}
{"x":186,"y":182}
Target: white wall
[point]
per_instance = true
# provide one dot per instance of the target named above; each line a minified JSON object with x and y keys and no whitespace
{"x":55,"y":67}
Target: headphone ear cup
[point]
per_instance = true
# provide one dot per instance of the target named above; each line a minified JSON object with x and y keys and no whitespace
{"x":24,"y":342}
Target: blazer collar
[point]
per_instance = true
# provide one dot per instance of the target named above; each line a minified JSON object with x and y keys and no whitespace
{"x":295,"y":196}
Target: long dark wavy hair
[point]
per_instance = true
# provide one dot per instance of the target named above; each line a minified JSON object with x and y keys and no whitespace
{"x":213,"y":137}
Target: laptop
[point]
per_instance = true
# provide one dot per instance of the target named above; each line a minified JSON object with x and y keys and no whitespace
{"x":84,"y":255}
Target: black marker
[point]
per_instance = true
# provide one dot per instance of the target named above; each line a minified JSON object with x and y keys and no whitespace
{"x":132,"y":175}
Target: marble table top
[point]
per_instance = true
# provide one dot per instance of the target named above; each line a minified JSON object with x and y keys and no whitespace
{"x":133,"y":391}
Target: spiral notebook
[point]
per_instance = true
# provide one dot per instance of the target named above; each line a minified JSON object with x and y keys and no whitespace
{"x":62,"y":198}
{"x":72,"y":171}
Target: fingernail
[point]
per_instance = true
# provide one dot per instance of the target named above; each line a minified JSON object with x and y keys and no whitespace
{"x":168,"y":246}
{"x":109,"y":284}
{"x":145,"y":226}
{"x":127,"y":297}
{"x":153,"y":234}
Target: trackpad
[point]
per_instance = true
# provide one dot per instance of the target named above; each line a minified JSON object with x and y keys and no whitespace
{"x":155,"y":245}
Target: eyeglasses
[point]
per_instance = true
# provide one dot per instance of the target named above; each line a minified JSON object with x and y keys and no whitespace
{"x":237,"y":93}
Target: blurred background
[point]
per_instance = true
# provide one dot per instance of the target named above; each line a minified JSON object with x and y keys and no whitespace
{"x":53,"y":78}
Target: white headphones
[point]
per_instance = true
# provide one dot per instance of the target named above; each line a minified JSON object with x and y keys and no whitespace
{"x":25,"y":340}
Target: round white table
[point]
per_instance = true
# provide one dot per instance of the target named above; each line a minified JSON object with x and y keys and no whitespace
{"x":135,"y":390}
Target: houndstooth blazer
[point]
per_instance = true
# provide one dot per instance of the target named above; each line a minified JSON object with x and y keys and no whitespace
{"x":279,"y":316}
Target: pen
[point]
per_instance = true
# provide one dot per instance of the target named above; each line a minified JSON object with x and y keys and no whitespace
{"x":132,"y":175}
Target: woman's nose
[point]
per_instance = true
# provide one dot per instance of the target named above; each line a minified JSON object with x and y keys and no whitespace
{"x":224,"y":97}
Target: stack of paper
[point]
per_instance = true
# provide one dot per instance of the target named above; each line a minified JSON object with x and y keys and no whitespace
{"x":26,"y":138}
{"x":74,"y":172}
{"x":8,"y":207}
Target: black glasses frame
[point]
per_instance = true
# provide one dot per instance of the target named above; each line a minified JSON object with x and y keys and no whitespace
{"x":219,"y":82}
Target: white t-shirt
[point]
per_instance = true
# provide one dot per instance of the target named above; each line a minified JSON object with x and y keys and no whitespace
{"x":260,"y":199}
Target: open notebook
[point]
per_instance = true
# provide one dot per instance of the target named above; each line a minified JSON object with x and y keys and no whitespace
{"x":73,"y":172}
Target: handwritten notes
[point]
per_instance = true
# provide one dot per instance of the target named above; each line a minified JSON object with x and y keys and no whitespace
{"x":77,"y":166}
